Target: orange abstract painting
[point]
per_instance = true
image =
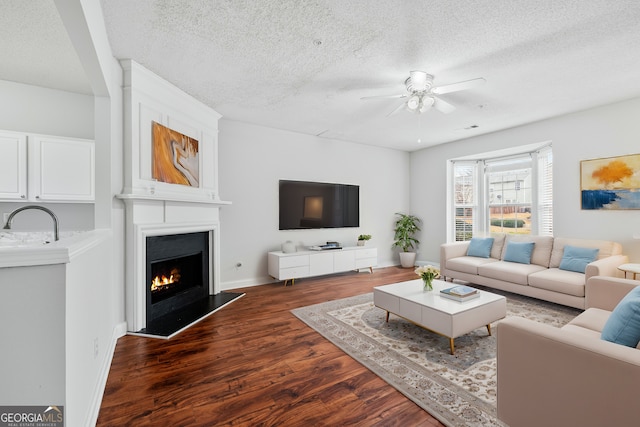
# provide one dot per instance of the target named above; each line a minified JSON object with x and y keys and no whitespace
{"x":612,"y":183}
{"x":175,"y":157}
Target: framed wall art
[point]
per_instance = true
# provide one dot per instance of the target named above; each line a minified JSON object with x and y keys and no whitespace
{"x":611,"y":183}
{"x":176,"y":158}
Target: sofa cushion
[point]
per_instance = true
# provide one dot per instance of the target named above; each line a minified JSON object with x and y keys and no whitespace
{"x":541,"y":251}
{"x":576,"y":258}
{"x":606,"y":248}
{"x":480,"y":247}
{"x":498,"y":245}
{"x":509,"y":271}
{"x":592,"y":318}
{"x":623,"y":325}
{"x":518,"y":252}
{"x":468,"y":264}
{"x":584,"y":332}
{"x":554,"y":279}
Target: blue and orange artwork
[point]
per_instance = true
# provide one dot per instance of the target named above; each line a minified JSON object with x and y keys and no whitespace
{"x":612,"y":183}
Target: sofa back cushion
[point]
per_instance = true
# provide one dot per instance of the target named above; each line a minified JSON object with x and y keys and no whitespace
{"x":541,"y":248}
{"x":605,"y":248}
{"x":498,"y":245}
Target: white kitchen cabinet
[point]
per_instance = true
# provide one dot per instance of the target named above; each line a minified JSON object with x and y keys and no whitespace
{"x":61,"y":169}
{"x":13,"y":166}
{"x":291,"y":266}
{"x":40,"y":168}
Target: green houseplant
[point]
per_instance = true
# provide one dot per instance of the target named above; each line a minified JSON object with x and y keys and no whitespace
{"x":363,"y":238}
{"x":405,"y":228}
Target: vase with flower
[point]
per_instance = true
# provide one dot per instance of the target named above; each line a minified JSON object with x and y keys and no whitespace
{"x":427,"y":273}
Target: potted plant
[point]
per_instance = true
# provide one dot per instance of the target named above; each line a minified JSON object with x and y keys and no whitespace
{"x":406,"y":226}
{"x":363,"y":238}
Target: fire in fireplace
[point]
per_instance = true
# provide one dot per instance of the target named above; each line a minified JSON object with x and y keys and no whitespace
{"x":177,"y":272}
{"x":174,"y":275}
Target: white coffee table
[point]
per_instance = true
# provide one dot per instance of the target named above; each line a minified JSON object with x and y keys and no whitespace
{"x":438,"y":314}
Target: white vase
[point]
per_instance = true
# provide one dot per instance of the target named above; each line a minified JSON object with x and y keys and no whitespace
{"x":361,"y":242}
{"x":288,"y":247}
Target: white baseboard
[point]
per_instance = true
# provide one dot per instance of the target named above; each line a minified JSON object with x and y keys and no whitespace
{"x":257,"y":281}
{"x":229,"y":286}
{"x":92,"y":416}
{"x":433,"y":263}
{"x":120,"y":330}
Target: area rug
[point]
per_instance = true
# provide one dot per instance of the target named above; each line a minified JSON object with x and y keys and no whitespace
{"x":458,"y":390}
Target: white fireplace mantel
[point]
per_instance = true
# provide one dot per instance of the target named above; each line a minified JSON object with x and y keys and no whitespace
{"x":157,"y":217}
{"x":173,"y":197}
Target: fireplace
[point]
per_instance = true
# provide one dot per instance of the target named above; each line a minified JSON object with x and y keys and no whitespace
{"x":177,"y":272}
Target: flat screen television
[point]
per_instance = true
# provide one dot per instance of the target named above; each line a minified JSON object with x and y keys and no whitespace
{"x":305,"y":205}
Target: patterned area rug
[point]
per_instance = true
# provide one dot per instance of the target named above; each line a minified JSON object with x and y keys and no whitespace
{"x":458,"y":390}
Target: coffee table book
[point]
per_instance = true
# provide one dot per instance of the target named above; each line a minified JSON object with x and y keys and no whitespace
{"x":458,"y":298}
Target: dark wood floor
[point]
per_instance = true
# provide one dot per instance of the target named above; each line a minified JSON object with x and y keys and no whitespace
{"x":253,"y":363}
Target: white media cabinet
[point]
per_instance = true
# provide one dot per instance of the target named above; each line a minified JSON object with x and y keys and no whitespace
{"x":296,"y":265}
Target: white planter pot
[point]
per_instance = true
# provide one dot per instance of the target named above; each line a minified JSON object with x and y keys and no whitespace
{"x":407,"y":259}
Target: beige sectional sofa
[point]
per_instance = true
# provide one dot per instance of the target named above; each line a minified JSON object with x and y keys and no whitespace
{"x":569,"y":376}
{"x":542,"y":278}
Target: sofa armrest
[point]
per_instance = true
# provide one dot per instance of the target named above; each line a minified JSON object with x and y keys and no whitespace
{"x":452,"y":250}
{"x":549,"y":376}
{"x":606,"y":266}
{"x":606,"y":292}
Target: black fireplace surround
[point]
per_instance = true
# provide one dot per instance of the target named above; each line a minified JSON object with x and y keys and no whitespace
{"x":179,"y":266}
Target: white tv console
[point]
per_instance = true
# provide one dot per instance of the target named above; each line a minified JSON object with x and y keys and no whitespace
{"x":296,"y":265}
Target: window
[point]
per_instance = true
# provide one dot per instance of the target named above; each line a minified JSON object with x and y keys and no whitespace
{"x":464,"y":182}
{"x":504,"y":194}
{"x":510,"y":188}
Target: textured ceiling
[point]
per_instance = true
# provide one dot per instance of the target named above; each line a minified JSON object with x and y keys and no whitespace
{"x":304,"y":65}
{"x":35,"y":48}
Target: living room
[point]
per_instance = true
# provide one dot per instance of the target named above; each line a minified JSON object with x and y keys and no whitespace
{"x":253,"y":158}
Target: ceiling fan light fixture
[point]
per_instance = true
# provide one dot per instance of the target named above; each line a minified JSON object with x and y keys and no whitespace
{"x":427,"y":102}
{"x":418,"y":81}
{"x":413,"y":103}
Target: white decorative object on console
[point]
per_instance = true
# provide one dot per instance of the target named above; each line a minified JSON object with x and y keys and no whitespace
{"x":291,"y":266}
{"x":288,"y":247}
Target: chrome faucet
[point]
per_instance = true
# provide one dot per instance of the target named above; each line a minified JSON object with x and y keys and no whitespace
{"x":7,"y":226}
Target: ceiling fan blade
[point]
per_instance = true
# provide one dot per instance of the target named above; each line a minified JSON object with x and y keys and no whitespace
{"x":364,"y":98}
{"x":442,"y":106}
{"x":455,"y":87}
{"x":397,"y":109}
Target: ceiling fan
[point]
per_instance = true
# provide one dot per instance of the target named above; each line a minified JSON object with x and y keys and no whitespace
{"x":421,"y":94}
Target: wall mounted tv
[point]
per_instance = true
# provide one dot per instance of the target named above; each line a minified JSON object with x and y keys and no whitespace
{"x":305,"y":205}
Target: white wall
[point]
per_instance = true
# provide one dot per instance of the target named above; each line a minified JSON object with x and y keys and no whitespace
{"x":599,"y":132}
{"x":47,"y":111}
{"x":252,"y":161}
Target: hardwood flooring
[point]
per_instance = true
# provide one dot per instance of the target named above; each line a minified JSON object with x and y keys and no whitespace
{"x":253,"y":363}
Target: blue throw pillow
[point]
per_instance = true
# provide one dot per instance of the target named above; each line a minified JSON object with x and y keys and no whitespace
{"x":623,"y":325}
{"x":480,"y":247}
{"x":576,"y":259}
{"x":519,"y":252}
